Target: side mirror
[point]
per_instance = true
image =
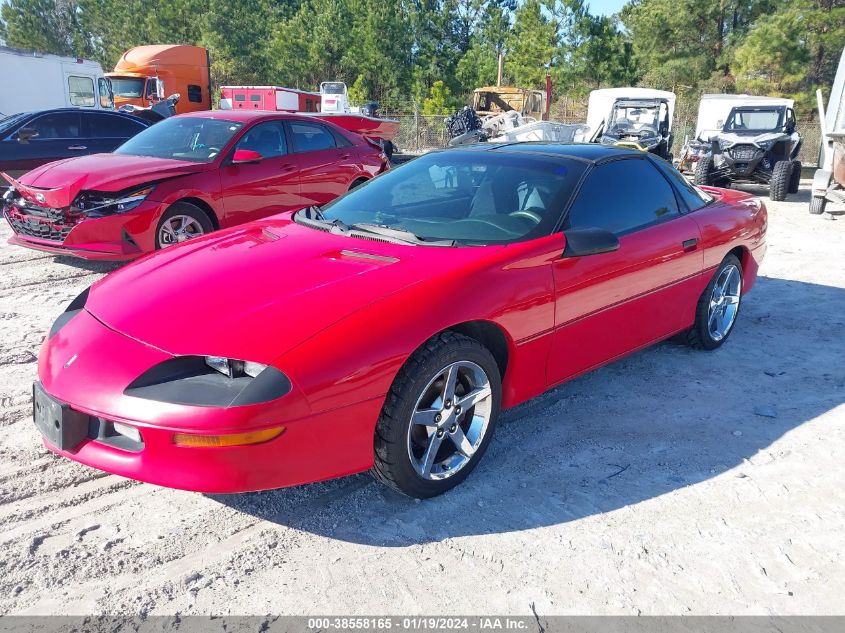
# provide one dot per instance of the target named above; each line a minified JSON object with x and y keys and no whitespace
{"x":664,"y":129}
{"x":245,"y":156}
{"x":589,"y":241}
{"x":26,"y":134}
{"x":790,"y":127}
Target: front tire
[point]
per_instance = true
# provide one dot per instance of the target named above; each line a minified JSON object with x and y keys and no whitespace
{"x":438,"y":417}
{"x":703,"y":171}
{"x":718,"y":306}
{"x":779,"y":183}
{"x":181,"y":222}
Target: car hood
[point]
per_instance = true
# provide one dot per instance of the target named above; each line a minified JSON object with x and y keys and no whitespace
{"x":255,"y":292}
{"x":59,"y":182}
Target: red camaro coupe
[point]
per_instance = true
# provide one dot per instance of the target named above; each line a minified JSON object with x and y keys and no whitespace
{"x":386,"y":330}
{"x":184,"y":177}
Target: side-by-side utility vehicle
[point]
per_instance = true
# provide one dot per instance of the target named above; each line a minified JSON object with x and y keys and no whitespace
{"x":757,"y":144}
{"x":640,"y":118}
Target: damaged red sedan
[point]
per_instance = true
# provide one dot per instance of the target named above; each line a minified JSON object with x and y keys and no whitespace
{"x":184,"y":177}
{"x":386,"y":330}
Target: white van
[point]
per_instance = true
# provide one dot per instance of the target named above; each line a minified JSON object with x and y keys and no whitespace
{"x":42,"y":81}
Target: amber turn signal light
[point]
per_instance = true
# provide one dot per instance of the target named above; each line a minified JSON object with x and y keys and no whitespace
{"x":234,"y":439}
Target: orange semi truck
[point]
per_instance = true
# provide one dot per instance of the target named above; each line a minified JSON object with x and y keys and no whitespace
{"x":146,"y":74}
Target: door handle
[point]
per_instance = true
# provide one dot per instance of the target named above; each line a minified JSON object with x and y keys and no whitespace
{"x":77,"y":147}
{"x":344,"y":156}
{"x":690,"y":245}
{"x":288,"y":167}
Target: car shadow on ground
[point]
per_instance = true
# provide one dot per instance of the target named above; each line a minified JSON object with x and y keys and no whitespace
{"x":660,"y":420}
{"x":89,"y":265}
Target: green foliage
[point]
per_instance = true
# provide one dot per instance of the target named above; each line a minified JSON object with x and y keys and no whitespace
{"x":440,"y":100}
{"x":532,"y":45}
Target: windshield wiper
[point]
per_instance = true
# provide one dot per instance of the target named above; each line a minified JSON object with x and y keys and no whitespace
{"x":401,"y":235}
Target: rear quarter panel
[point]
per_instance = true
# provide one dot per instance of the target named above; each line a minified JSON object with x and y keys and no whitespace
{"x":733,"y":220}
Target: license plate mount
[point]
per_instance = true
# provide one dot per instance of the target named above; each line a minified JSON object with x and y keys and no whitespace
{"x":63,"y":427}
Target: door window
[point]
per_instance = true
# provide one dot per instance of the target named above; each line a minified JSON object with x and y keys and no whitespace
{"x":311,"y":137}
{"x":693,"y":197}
{"x":81,"y":91}
{"x":194,"y":93}
{"x":268,"y":139}
{"x":112,"y":126}
{"x":64,"y":125}
{"x":623,"y":196}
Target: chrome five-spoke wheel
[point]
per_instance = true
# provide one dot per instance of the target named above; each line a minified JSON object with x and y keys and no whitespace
{"x":439,"y":416}
{"x":724,"y":302}
{"x":450,"y":420}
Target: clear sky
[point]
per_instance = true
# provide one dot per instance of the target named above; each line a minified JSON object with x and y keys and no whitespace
{"x":605,"y":7}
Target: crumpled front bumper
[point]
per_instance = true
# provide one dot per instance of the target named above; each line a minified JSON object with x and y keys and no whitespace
{"x":117,"y":237}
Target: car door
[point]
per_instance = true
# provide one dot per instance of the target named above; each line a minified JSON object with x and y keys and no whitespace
{"x":257,"y":189}
{"x":106,"y":131}
{"x":609,"y":304}
{"x":54,"y":135}
{"x":327,"y":162}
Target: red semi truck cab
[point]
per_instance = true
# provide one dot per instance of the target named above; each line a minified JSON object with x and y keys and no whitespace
{"x":146,"y":74}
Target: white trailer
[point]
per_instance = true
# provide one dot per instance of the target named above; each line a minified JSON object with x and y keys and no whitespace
{"x":829,"y":179}
{"x":40,"y":81}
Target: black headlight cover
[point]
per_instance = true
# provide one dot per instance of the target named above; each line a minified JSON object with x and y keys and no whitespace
{"x":189,"y":380}
{"x":74,"y":307}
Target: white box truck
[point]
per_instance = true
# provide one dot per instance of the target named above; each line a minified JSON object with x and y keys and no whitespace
{"x":40,"y":81}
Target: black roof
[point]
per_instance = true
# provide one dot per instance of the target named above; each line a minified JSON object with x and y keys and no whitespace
{"x":79,"y":109}
{"x":591,"y":152}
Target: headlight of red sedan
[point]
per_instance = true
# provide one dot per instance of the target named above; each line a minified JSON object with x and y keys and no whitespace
{"x":210,"y":381}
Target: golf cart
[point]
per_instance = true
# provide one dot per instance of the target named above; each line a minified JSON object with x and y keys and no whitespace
{"x":634,"y":117}
{"x":758,"y":143}
{"x":829,"y":179}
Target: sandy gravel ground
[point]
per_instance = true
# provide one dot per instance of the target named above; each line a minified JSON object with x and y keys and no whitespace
{"x":672,"y":482}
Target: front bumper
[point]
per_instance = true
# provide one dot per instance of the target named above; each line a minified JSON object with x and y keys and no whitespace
{"x":117,"y":237}
{"x":313,"y":447}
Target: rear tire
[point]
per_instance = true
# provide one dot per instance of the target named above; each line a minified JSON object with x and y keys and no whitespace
{"x":795,"y":178}
{"x":717,"y":310}
{"x":422,"y":422}
{"x":779,"y":183}
{"x":817,"y":205}
{"x":192,"y":222}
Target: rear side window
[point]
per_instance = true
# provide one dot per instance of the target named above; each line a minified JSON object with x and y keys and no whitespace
{"x":255,"y":97}
{"x":63,"y":125}
{"x":194,"y":93}
{"x":240,"y":97}
{"x":111,"y":126}
{"x":693,"y":197}
{"x":623,"y":196}
{"x":81,"y":91}
{"x":311,"y":137}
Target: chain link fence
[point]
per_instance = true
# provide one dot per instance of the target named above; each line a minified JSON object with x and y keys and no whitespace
{"x":419,"y":133}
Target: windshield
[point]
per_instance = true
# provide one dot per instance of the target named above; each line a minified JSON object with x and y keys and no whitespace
{"x":757,"y":120}
{"x":333,"y":88}
{"x":193,"y":139}
{"x":465,"y":197}
{"x":128,"y":87}
{"x":634,"y":117}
